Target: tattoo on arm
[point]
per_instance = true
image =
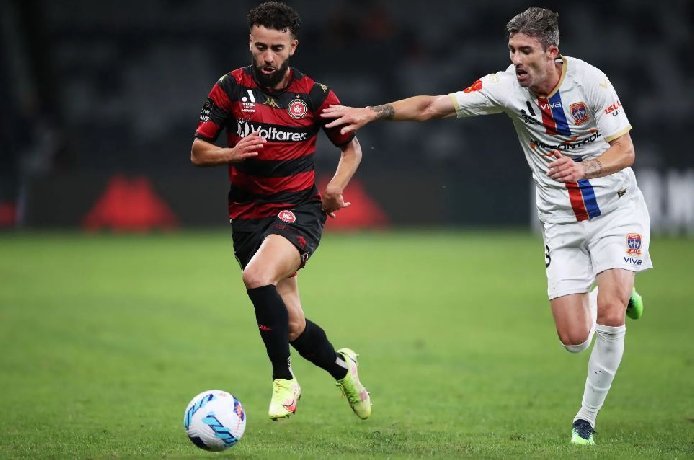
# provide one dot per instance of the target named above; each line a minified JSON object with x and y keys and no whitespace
{"x":593,"y":168}
{"x":385,"y":111}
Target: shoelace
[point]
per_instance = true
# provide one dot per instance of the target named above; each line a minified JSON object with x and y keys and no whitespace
{"x":583,"y":429}
{"x":278,"y":386}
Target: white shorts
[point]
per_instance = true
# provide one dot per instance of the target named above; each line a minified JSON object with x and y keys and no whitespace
{"x":575,"y":253}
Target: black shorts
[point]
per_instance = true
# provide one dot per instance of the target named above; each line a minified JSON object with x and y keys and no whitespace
{"x":301,"y":225}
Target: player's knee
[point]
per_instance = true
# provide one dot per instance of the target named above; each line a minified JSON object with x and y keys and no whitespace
{"x":296,"y":327}
{"x":254,"y":278}
{"x":575,"y":341}
{"x":611,"y":310}
{"x":577,"y":348}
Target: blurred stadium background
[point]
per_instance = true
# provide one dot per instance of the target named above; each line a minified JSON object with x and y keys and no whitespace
{"x":100,"y":100}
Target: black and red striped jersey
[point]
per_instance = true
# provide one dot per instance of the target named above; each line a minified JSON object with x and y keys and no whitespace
{"x":283,"y":174}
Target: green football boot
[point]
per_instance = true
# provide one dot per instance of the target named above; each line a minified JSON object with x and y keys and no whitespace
{"x":635,"y":305}
{"x":357,"y":396}
{"x":285,"y":395}
{"x":582,"y":433}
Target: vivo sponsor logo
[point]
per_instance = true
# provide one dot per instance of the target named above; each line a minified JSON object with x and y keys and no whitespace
{"x":633,"y":261}
{"x":550,"y":105}
{"x":271,"y":133}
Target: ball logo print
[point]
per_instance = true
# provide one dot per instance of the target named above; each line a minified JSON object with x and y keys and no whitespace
{"x":214,"y":420}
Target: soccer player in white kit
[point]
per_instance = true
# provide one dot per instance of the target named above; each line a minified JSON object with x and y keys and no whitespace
{"x":575,"y":136}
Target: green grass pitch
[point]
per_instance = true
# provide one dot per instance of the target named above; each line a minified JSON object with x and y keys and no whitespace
{"x":104,"y":339}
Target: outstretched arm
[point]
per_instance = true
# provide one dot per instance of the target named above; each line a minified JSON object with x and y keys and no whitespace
{"x":204,"y":153}
{"x":618,"y":156}
{"x":346,"y":167}
{"x":417,"y":108}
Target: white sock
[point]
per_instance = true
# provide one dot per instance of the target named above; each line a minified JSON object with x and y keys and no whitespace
{"x":602,"y":367}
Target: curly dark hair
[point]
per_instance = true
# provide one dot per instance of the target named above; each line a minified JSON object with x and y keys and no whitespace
{"x":540,"y":23}
{"x":275,"y":15}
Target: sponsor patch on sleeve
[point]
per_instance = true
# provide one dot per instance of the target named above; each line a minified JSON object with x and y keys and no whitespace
{"x":476,"y":86}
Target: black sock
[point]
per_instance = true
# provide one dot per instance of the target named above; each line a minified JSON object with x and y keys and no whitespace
{"x":272,"y":317}
{"x":314,"y":346}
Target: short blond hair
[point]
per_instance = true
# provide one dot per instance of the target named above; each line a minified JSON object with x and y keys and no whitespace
{"x":540,"y":23}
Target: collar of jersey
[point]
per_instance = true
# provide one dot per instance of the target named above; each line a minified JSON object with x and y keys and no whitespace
{"x":564,"y":65}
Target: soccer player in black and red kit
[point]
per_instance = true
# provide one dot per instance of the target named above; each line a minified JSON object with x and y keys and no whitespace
{"x":271,"y":114}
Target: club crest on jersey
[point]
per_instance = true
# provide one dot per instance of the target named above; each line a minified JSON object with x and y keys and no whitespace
{"x":287,"y":216}
{"x":476,"y":86}
{"x":579,"y":112}
{"x":297,"y":109}
{"x":634,"y":244}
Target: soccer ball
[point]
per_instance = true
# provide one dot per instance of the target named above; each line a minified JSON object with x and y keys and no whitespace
{"x":214,"y":420}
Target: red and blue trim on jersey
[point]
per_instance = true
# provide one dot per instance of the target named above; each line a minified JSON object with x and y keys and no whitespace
{"x":582,"y":198}
{"x":581,"y":193}
{"x":553,"y":116}
{"x":589,"y":204}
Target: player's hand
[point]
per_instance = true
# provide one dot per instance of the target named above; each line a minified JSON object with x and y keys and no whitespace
{"x":247,"y":147}
{"x":332,"y":201}
{"x":350,"y":118}
{"x":563,"y":168}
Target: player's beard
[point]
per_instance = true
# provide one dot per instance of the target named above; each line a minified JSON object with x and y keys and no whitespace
{"x":270,"y":81}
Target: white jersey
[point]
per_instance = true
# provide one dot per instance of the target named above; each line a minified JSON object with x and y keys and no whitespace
{"x":578,"y":118}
